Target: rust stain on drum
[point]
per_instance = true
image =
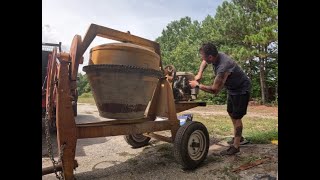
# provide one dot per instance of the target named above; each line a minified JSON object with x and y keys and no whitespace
{"x":122,"y":108}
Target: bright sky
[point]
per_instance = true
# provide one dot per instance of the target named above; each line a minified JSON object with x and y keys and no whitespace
{"x":63,"y":19}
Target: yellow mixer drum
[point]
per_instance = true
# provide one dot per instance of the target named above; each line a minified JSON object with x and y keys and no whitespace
{"x":123,"y":78}
{"x":124,"y":54}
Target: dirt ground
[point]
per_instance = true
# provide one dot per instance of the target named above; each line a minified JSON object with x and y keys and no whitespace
{"x":112,"y":158}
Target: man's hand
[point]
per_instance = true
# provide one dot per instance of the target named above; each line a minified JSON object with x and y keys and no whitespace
{"x":193,"y":84}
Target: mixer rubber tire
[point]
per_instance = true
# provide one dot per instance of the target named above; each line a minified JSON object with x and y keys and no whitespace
{"x":137,"y":140}
{"x":191,"y":144}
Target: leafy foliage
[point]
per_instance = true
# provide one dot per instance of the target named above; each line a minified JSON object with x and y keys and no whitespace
{"x":83,"y":84}
{"x":246,"y":30}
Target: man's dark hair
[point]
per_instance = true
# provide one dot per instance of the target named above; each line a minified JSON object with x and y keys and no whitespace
{"x":209,"y":49}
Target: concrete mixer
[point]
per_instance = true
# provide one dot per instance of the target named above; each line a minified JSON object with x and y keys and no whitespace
{"x":130,"y":88}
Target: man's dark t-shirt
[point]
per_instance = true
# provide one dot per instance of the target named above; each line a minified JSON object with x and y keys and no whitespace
{"x":237,"y":82}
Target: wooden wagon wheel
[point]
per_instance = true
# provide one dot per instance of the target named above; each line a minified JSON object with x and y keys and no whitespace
{"x":66,"y":127}
{"x":50,"y":94}
{"x":76,"y":59}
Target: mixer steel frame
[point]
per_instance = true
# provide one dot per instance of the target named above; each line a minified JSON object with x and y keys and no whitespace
{"x":62,"y":75}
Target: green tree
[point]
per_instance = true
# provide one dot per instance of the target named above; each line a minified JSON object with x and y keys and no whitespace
{"x":244,"y":29}
{"x":183,"y":31}
{"x":83,"y":84}
{"x":179,"y":44}
{"x":247,"y":31}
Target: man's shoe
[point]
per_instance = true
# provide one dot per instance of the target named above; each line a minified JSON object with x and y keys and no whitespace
{"x":230,"y":151}
{"x":242,"y":141}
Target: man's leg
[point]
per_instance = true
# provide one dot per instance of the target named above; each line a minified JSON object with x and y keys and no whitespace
{"x":237,"y":131}
{"x":240,"y":104}
{"x":230,"y":111}
{"x":234,"y":124}
{"x":237,"y":124}
{"x":237,"y":108}
{"x":235,"y":147}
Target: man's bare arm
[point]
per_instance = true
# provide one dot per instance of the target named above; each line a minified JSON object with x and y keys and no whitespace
{"x":202,"y":67}
{"x":217,"y":84}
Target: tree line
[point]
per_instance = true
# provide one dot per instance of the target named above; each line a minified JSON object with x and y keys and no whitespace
{"x":246,"y":30}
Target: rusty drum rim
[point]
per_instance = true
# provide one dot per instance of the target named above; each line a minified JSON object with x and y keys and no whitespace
{"x":113,"y":68}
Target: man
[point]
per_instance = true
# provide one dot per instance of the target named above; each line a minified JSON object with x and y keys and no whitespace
{"x":228,"y":75}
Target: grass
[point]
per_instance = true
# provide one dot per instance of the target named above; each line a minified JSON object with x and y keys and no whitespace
{"x":132,"y":162}
{"x":262,"y":137}
{"x":247,"y":159}
{"x":227,"y":172}
{"x":166,"y":150}
{"x":125,"y":154}
{"x":214,"y":159}
{"x":86,"y":98}
{"x":256,"y":130}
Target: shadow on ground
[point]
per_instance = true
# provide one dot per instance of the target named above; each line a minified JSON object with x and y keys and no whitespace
{"x":81,"y":143}
{"x":156,"y":161}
